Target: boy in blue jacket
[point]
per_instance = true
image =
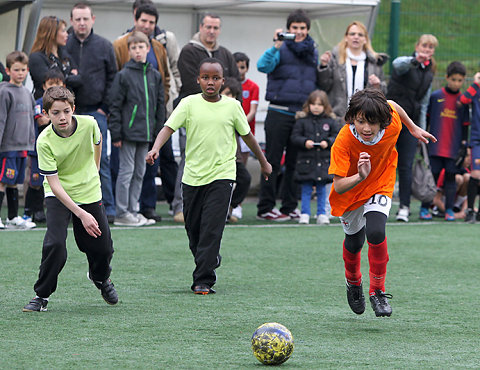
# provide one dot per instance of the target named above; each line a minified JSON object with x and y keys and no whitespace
{"x":137,"y":113}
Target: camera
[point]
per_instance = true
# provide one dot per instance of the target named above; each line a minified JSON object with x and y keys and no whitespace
{"x":285,"y":36}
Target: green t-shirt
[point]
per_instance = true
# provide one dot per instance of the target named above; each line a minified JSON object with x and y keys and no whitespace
{"x":211,"y":144}
{"x":72,"y":159}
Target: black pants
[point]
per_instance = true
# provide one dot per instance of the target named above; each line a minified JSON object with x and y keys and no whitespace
{"x":242,"y":186}
{"x":278,"y":128}
{"x":406,"y":147}
{"x":99,"y":250}
{"x":205,"y":209}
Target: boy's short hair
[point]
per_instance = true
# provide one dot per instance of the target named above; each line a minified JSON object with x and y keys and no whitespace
{"x":54,"y":74}
{"x":147,"y":9}
{"x":137,"y":37}
{"x":456,"y":67}
{"x":234,"y":86}
{"x":211,"y":61}
{"x":242,"y":57}
{"x":56,"y":93}
{"x":16,"y":56}
{"x":371,"y":104}
{"x":298,"y":16}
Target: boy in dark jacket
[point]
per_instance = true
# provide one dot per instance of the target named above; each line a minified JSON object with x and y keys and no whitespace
{"x":136,"y":116}
{"x":314,"y":134}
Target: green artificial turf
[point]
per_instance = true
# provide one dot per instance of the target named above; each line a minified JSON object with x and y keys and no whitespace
{"x":284,"y":273}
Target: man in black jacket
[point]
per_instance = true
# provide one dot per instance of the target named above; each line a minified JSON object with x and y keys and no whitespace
{"x":95,"y":58}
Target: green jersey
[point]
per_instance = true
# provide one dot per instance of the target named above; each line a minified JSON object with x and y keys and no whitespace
{"x":72,"y":159}
{"x":211,"y":144}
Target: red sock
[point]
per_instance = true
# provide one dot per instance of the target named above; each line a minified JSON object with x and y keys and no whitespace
{"x":352,"y":266}
{"x":378,"y":258}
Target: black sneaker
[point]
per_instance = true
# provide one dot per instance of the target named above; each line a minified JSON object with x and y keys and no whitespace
{"x":150,"y":213}
{"x":380,"y":303}
{"x":355,"y":298}
{"x":107,"y":289}
{"x":203,"y":289}
{"x":470,"y":216}
{"x":36,"y":304}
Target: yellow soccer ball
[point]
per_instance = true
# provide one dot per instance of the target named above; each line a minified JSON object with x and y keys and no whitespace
{"x":272,"y":343}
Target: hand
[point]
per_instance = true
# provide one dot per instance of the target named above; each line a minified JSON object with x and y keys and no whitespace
{"x":266,"y":169}
{"x":90,"y":224}
{"x":476,"y":78}
{"x":364,"y":166}
{"x":152,"y":155}
{"x":309,"y":144}
{"x":323,"y":144}
{"x":373,"y":80}
{"x":43,"y":121}
{"x":278,"y":44}
{"x":422,"y":57}
{"x":117,"y":144}
{"x":74,"y":72}
{"x":101,"y":111}
{"x":423,"y":135}
{"x":325,"y":58}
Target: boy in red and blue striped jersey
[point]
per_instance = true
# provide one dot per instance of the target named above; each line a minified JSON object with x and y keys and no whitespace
{"x":471,"y":97}
{"x":448,"y":122}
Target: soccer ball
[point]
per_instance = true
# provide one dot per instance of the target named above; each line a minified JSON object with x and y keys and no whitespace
{"x":272,"y":343}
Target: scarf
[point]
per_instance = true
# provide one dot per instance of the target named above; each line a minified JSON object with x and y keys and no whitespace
{"x":358,"y":84}
{"x":375,"y":140}
{"x":304,"y":50}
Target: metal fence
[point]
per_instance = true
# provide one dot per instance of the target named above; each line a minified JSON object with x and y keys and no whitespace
{"x":456,"y":24}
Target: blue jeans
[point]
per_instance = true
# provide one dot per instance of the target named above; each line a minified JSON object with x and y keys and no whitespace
{"x":307,"y":188}
{"x":105,"y":176}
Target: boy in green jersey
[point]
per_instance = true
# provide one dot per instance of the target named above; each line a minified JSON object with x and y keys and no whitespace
{"x":211,"y":121}
{"x":69,"y":152}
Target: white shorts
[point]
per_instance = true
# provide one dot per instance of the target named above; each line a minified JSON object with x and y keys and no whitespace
{"x":354,"y":221}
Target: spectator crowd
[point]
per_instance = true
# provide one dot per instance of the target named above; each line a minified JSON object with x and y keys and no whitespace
{"x":131,"y":86}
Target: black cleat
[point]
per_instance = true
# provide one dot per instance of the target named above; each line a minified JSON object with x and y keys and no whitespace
{"x":380,"y":303}
{"x":36,"y":305}
{"x":470,"y":216}
{"x":107,"y":289}
{"x":203,"y":289}
{"x":355,"y":298}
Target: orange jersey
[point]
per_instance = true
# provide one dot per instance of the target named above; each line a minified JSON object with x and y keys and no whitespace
{"x":383,"y":158}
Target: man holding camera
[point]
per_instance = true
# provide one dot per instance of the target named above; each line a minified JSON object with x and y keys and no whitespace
{"x":291,"y":66}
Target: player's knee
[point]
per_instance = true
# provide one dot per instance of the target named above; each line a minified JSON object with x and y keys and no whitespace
{"x":375,"y":236}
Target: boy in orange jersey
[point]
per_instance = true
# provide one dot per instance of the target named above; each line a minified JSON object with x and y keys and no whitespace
{"x":363,"y":162}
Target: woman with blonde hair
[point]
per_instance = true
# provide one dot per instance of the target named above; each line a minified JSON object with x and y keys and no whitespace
{"x":48,"y":52}
{"x":410,"y":86}
{"x":351,"y":66}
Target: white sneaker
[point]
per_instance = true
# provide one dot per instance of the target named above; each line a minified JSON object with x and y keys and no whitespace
{"x":129,"y":220}
{"x":322,"y":220}
{"x":2,"y":226}
{"x":304,"y":218}
{"x":148,"y":221}
{"x":237,"y":212}
{"x":19,"y":223}
{"x":403,"y":213}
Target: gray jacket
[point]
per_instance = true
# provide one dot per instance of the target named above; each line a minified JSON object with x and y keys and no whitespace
{"x":17,"y":130}
{"x":333,"y":79}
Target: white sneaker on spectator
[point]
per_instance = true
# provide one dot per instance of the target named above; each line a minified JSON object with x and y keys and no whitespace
{"x":322,"y":220}
{"x":403,"y":213}
{"x":237,"y":212}
{"x":148,"y":221}
{"x":19,"y":223}
{"x":128,"y":220}
{"x":304,"y":218}
{"x":2,"y":226}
